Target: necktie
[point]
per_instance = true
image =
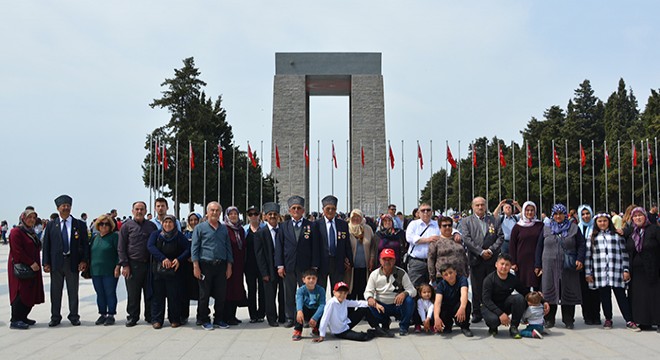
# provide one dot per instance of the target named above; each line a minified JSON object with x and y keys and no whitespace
{"x":274,"y":235}
{"x":297,"y":223}
{"x":332,"y":239}
{"x":65,"y":238}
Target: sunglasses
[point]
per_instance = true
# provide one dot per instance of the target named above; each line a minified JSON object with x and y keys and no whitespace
{"x":445,"y":225}
{"x":425,"y":210}
{"x":253,"y":214}
{"x":104,"y":224}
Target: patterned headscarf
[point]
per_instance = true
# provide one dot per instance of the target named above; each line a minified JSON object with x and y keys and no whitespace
{"x":559,"y":228}
{"x":524,"y":221}
{"x":638,"y":231}
{"x":22,"y":225}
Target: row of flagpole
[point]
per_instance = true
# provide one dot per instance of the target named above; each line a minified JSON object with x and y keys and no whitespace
{"x":158,"y":165}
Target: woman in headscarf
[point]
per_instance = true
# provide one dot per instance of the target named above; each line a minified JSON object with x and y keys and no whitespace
{"x":390,"y":238}
{"x":169,"y":248}
{"x":190,"y":282}
{"x":590,"y":297}
{"x":607,"y":269}
{"x":561,"y":278}
{"x":365,"y":254}
{"x":643,"y":246}
{"x":235,"y":290}
{"x":522,"y":246}
{"x":24,"y":248}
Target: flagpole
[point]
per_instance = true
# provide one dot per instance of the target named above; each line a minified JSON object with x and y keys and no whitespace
{"x":162,"y":173}
{"x":247,"y":177}
{"x":581,"y":172}
{"x":472,"y":167}
{"x":389,"y":169}
{"x":554,"y":164}
{"x":527,"y":153}
{"x":538,"y":148}
{"x":157,"y":169}
{"x":648,"y":164}
{"x":486,"y":157}
{"x":261,"y":175}
{"x":513,"y":167}
{"x":348,"y":174}
{"x":403,"y":178}
{"x":618,"y":165}
{"x":431,"y":165}
{"x":607,"y":202}
{"x":204,"y":187}
{"x":657,"y":182}
{"x":151,"y":171}
{"x":641,"y":148}
{"x":219,"y":170}
{"x":288,"y":165}
{"x":318,"y":174}
{"x":499,"y":170}
{"x":566,"y":153}
{"x":176,"y":181}
{"x":274,"y":170}
{"x":417,"y":193}
{"x":191,"y":206}
{"x":593,"y":175}
{"x":632,"y":170}
{"x":233,"y":175}
{"x":459,"y":175}
{"x":361,"y":170}
{"x":332,"y":168}
{"x":446,"y":175}
{"x":373,"y":161}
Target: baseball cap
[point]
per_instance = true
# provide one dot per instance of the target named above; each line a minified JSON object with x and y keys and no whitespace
{"x":387,"y":253}
{"x":340,"y":285}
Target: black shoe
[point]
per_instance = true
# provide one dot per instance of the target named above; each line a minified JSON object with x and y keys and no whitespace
{"x":380,"y":332}
{"x":29,"y":321}
{"x":18,"y":325}
{"x":101,"y":320}
{"x":549,"y":324}
{"x":476,"y":319}
{"x":260,"y":320}
{"x":110,"y":320}
{"x":199,"y":322}
{"x":588,"y":322}
{"x":183,"y":321}
{"x":253,"y":321}
{"x":492,"y":331}
{"x":273,"y":324}
{"x":232,"y":322}
{"x":75,"y":322}
{"x":513,"y":331}
{"x":570,"y":326}
{"x":53,"y":323}
{"x":238,"y":321}
{"x":403,"y":332}
{"x":288,"y":324}
{"x":131,"y":323}
{"x":467,"y":332}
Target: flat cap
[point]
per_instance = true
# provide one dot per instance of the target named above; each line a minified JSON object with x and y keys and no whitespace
{"x":63,"y":199}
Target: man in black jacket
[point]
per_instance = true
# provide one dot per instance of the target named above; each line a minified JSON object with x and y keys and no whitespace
{"x":264,"y":248}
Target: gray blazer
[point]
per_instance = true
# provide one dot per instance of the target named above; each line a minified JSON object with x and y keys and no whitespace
{"x":476,"y":240}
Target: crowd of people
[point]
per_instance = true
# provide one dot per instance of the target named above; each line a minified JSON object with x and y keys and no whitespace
{"x":518,"y":268}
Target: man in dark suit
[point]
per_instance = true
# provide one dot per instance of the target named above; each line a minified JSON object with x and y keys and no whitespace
{"x":336,"y":253}
{"x":65,"y":254}
{"x":295,"y":251}
{"x":483,"y":237}
{"x":264,"y":248}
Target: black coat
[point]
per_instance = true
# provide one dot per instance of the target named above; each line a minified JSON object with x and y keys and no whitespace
{"x":343,"y":250}
{"x":264,"y":252}
{"x":296,"y":254}
{"x":53,"y":255}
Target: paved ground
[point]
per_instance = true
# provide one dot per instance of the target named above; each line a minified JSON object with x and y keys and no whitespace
{"x":258,"y":341}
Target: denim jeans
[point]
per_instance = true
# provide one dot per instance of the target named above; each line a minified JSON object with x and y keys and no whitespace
{"x":106,"y":293}
{"x":403,"y":312}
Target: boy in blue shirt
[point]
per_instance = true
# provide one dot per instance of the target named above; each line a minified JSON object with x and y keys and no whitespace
{"x":310,"y":301}
{"x":451,"y":302}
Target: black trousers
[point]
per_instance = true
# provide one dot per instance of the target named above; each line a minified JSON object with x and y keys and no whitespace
{"x":214,"y":284}
{"x":136,"y":285}
{"x":621,"y":299}
{"x":307,"y":314}
{"x":359,"y":284}
{"x":19,"y":311}
{"x":477,"y":275}
{"x":514,"y":305}
{"x":255,"y":294}
{"x":271,"y":288}
{"x":567,"y":314}
{"x":590,"y":301}
{"x":447,"y":316}
{"x":355,"y":317}
{"x":292,"y":280}
{"x":170,"y":289}
{"x":335,"y":275}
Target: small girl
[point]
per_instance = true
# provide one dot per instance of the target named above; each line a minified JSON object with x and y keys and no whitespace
{"x":533,"y":316}
{"x":426,"y":295}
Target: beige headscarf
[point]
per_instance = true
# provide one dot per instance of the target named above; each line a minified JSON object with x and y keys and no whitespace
{"x":356,"y":230}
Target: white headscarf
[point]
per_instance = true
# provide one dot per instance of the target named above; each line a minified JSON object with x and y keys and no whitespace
{"x":524,"y":221}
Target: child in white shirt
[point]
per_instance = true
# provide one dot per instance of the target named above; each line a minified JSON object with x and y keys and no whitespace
{"x":425,"y":307}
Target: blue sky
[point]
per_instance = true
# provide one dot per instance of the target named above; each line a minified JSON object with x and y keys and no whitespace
{"x":77,"y":78}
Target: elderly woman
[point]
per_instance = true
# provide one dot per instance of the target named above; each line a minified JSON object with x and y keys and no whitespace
{"x":365,"y":254}
{"x":607,"y":269}
{"x":104,"y":268}
{"x":446,"y":251}
{"x":388,"y":237}
{"x":235,"y":290}
{"x":643,"y":246}
{"x":560,"y":255}
{"x":190,"y":282}
{"x":24,"y":293}
{"x":522,"y":247}
{"x":169,"y":248}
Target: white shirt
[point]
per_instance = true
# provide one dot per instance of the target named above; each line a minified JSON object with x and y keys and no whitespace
{"x":335,"y":315}
{"x":425,"y":309}
{"x":415,"y":228}
{"x":68,"y":221}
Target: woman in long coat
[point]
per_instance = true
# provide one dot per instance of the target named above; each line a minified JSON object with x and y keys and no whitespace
{"x":643,"y":245}
{"x":365,"y":254}
{"x":522,"y":247}
{"x":236,"y":295}
{"x":560,"y":286}
{"x":24,"y":293}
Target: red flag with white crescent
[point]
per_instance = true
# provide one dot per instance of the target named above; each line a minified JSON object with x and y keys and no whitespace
{"x":191,"y":155}
{"x":334,"y":156}
{"x":529,"y":157}
{"x":277,"y":157}
{"x":420,"y":157}
{"x":306,"y":156}
{"x":251,"y":156}
{"x":650,"y":154}
{"x":221,"y":157}
{"x":607,"y":158}
{"x":474,"y":156}
{"x":165,"y":165}
{"x":634,"y":159}
{"x":583,"y":157}
{"x":391,"y":158}
{"x":502,"y":159}
{"x":451,"y":159}
{"x":362,"y":155}
{"x":556,"y":157}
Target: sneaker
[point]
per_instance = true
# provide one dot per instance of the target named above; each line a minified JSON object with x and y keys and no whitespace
{"x":315,"y":331}
{"x":100,"y":320}
{"x":110,"y":320}
{"x":403,"y":332}
{"x":467,"y":332}
{"x":207,"y":326}
{"x":537,"y":334}
{"x":513,"y":331}
{"x":492,"y":331}
{"x":418,"y":329}
{"x":221,"y":325}
{"x":607,"y":325}
{"x":297,"y":335}
{"x":632,"y":326}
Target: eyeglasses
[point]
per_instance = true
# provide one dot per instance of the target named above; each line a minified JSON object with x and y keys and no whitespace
{"x":296,"y":208}
{"x":425,"y":210}
{"x":392,"y":208}
{"x":253,"y":214}
{"x":104,"y":224}
{"x":445,"y":225}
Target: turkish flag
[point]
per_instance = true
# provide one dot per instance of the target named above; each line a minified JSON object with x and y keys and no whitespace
{"x":334,"y":156}
{"x":529,"y":157}
{"x":634,"y":159}
{"x":362,"y":155}
{"x":474,"y":156}
{"x":419,"y":156}
{"x":254,"y":162}
{"x":191,"y":154}
{"x":502,"y":159}
{"x":165,"y":165}
{"x":391,"y":158}
{"x":277,"y":157}
{"x":583,"y":157}
{"x":306,"y":156}
{"x":221,"y":157}
{"x":158,"y":157}
{"x":556,"y":157}
{"x":607,"y":158}
{"x":650,"y":154}
{"x":451,"y":159}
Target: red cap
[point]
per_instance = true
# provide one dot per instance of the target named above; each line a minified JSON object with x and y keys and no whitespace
{"x":340,"y":285}
{"x":387,"y":253}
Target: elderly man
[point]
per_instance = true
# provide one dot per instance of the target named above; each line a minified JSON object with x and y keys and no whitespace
{"x":336,"y":254}
{"x":483,"y":237}
{"x":296,"y":250}
{"x":65,"y":254}
{"x":390,"y":287}
{"x":134,"y":258}
{"x":264,"y":248}
{"x":419,"y":234}
{"x":212,"y":259}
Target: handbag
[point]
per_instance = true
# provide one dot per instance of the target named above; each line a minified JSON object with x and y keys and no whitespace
{"x":23,"y":272}
{"x":159,"y":270}
{"x":570,"y":257}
